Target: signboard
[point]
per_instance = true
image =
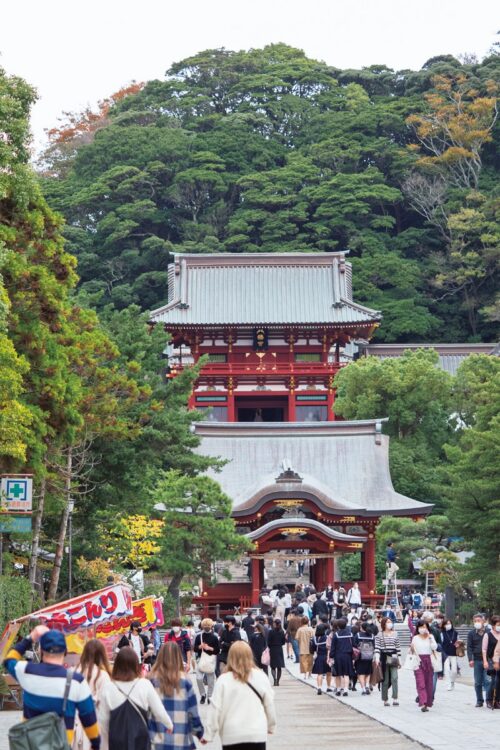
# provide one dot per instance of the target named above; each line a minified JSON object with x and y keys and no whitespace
{"x":16,"y":491}
{"x":86,"y":611}
{"x":147,"y":611}
{"x":15,"y":524}
{"x":9,"y":635}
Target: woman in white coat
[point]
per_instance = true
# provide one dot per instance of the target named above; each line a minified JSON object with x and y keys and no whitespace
{"x":242,"y":703}
{"x":94,"y":666}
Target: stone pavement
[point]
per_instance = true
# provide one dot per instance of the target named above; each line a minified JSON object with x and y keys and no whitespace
{"x":453,"y":722}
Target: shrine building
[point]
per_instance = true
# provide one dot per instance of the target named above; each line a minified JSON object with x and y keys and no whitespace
{"x":306,"y":486}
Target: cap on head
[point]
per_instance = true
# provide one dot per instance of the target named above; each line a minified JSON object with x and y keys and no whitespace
{"x":53,"y":642}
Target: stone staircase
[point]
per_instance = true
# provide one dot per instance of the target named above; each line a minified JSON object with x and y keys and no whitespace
{"x":405,"y":635}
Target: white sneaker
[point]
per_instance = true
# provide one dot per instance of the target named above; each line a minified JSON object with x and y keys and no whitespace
{"x":450,"y":687}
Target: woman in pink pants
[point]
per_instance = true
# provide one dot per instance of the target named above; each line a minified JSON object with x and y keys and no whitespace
{"x":424,"y":644}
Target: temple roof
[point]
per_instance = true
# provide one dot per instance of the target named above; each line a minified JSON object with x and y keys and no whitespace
{"x":451,"y":356}
{"x":344,"y":466}
{"x":307,"y":523}
{"x":251,"y":289}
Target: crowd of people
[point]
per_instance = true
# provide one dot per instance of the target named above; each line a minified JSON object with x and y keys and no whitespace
{"x":148,"y":696}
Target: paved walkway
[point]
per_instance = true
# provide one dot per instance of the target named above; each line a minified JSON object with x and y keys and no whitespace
{"x":329,"y":722}
{"x":453,"y":722}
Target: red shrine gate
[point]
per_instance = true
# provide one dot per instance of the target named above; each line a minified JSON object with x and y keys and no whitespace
{"x":275,"y":329}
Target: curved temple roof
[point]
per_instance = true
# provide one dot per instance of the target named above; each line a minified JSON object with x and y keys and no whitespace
{"x":252,"y":289}
{"x":308,"y":523}
{"x":344,"y":465}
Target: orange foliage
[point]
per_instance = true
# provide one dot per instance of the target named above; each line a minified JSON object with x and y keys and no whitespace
{"x":81,"y":124}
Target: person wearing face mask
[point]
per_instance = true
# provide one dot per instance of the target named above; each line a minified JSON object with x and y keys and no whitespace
{"x":205,"y":642}
{"x":135,"y":639}
{"x":449,"y":638}
{"x":424,"y":644}
{"x":388,"y":655}
{"x":228,"y":636}
{"x":177,"y":634}
{"x":491,"y":661}
{"x":475,"y":656}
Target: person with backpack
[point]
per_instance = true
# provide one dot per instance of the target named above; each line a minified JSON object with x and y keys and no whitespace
{"x":353,"y":598}
{"x":179,"y":700}
{"x":125,"y":704}
{"x":94,"y":666}
{"x":242,"y":711}
{"x":364,"y":648}
{"x":388,"y":655}
{"x":51,"y":692}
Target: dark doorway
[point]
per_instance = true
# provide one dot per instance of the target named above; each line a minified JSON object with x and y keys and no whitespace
{"x":265,"y":414}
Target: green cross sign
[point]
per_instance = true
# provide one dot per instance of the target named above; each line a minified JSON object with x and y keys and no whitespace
{"x":17,"y":490}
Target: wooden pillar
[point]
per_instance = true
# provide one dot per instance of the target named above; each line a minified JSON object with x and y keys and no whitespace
{"x":256,"y":585}
{"x":291,"y":404}
{"x":191,"y":401}
{"x":369,"y":564}
{"x":231,"y":411}
{"x":330,"y":400}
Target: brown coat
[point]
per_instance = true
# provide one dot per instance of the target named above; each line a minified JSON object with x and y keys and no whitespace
{"x":304,"y":635}
{"x":294,"y":623}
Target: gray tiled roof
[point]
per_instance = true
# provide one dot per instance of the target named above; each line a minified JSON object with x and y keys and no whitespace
{"x":345,"y":465}
{"x":254,"y":289}
{"x":451,"y":356}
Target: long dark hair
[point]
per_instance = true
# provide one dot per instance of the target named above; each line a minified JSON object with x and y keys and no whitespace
{"x":126,"y":667}
{"x":94,"y":655}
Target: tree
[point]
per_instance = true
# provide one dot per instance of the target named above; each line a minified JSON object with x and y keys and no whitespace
{"x":415,"y":395}
{"x":198,"y":528}
{"x":459,"y":120}
{"x":473,"y":476}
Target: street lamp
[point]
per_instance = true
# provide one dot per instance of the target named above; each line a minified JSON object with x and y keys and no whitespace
{"x":71,"y":507}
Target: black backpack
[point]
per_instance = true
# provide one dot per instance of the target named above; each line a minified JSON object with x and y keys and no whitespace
{"x":128,"y":726}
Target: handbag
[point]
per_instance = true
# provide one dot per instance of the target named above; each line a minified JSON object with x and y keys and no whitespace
{"x":377,"y":674}
{"x":412,"y":661}
{"x":460,"y":648}
{"x":356,"y":653}
{"x":44,"y":732}
{"x":206,"y":662}
{"x":436,"y":661}
{"x":265,"y":659}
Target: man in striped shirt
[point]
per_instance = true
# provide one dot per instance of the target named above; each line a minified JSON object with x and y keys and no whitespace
{"x":44,"y":683}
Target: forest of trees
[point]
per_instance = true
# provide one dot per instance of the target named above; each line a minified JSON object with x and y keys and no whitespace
{"x":256,"y":151}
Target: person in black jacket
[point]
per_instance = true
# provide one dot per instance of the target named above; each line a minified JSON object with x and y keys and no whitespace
{"x":205,"y":642}
{"x":136,"y":639}
{"x":248,"y":623}
{"x":475,"y":656}
{"x":449,"y":638}
{"x":320,"y":607}
{"x":276,"y":639}
{"x":258,"y":644}
{"x":228,"y":636}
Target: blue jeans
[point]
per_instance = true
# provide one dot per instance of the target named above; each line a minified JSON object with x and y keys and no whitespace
{"x":295,"y":647}
{"x":482,"y":681}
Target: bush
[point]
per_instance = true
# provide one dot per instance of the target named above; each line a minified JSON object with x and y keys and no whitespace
{"x":16,"y":599}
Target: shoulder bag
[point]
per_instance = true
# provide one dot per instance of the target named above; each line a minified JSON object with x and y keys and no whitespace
{"x":44,"y":732}
{"x":206,"y":662}
{"x":265,"y":659}
{"x":412,"y":661}
{"x":436,"y":661}
{"x":254,"y":690}
{"x":392,"y":659}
